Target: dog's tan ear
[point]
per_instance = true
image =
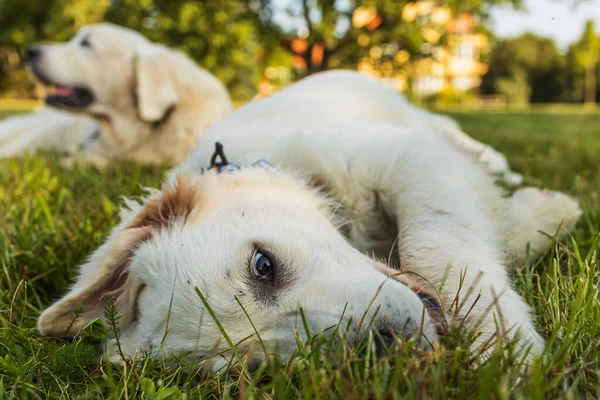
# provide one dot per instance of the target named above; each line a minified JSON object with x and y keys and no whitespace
{"x":156,"y":88}
{"x":107,"y":273}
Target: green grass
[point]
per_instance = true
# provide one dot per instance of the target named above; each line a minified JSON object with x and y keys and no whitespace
{"x":7,"y":113}
{"x":50,"y":219}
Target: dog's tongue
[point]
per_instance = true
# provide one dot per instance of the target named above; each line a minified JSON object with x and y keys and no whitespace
{"x":64,"y":91}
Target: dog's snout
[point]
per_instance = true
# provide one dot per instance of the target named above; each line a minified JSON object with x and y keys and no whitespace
{"x":429,"y":298}
{"x":33,"y":52}
{"x":384,"y":338}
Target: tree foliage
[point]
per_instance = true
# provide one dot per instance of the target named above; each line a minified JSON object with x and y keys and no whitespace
{"x":530,"y":68}
{"x":333,"y":29}
{"x":525,"y":68}
{"x":237,"y":39}
{"x":218,"y":34}
{"x":587,"y":53}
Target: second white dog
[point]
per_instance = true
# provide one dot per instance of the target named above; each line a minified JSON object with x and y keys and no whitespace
{"x":148,"y":103}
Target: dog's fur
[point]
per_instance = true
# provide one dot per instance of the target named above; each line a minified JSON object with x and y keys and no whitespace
{"x":375,"y":191}
{"x":151,"y":102}
{"x":45,"y":129}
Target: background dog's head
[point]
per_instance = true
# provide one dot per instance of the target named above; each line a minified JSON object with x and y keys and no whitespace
{"x":106,"y":70}
{"x":254,"y":236}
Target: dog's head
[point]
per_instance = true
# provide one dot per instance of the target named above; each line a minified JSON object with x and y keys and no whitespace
{"x":259,"y":246}
{"x":103,"y":71}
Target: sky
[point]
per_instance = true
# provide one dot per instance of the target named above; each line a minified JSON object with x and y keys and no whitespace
{"x":560,"y":20}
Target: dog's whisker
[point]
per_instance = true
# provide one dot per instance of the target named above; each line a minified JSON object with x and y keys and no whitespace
{"x":350,"y":222}
{"x":334,"y":211}
{"x":392,"y":247}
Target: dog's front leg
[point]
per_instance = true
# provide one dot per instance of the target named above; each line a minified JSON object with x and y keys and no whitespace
{"x":445,"y":238}
{"x":97,"y":152}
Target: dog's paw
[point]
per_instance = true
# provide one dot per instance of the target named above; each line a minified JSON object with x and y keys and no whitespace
{"x":565,"y":207}
{"x":495,"y":162}
{"x":537,"y":216}
{"x":67,"y":163}
{"x":512,"y":179}
{"x":100,"y":163}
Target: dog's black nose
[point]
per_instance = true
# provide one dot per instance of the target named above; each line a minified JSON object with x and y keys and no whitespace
{"x":33,"y":52}
{"x":436,"y":312}
{"x":384,"y":339}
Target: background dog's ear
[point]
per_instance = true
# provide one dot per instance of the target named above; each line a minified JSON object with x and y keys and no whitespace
{"x":156,"y":89}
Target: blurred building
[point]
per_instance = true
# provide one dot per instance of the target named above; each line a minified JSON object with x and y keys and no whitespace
{"x":449,"y":59}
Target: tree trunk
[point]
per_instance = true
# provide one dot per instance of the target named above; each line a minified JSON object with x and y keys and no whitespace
{"x":590,"y":86}
{"x":326,"y":56}
{"x":308,"y":60}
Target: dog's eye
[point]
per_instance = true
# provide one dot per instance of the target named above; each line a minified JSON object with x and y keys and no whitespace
{"x":262,"y":266}
{"x":85,"y":42}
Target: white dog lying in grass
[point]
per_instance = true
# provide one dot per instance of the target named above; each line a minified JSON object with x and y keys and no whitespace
{"x":116,"y":95}
{"x":354,"y":190}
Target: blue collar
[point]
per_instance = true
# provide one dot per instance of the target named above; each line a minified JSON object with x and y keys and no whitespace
{"x":226,"y":166}
{"x":231,"y":167}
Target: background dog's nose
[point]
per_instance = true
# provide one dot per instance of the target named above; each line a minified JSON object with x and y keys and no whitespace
{"x":33,"y":52}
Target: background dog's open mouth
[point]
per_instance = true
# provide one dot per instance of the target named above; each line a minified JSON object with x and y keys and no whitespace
{"x":62,"y":96}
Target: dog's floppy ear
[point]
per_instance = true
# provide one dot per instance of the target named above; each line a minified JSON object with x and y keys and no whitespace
{"x":156,"y":89}
{"x":107,"y":273}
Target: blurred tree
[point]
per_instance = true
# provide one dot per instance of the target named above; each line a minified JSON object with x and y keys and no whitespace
{"x":20,"y":23}
{"x":237,"y":39}
{"x":574,"y":78}
{"x":516,"y":88}
{"x":216,"y":33}
{"x":587,"y":54}
{"x":525,"y":68}
{"x":331,"y":33}
{"x":26,"y":22}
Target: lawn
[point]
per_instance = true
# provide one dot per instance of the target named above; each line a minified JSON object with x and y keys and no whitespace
{"x":8,"y":113}
{"x":50,"y":219}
